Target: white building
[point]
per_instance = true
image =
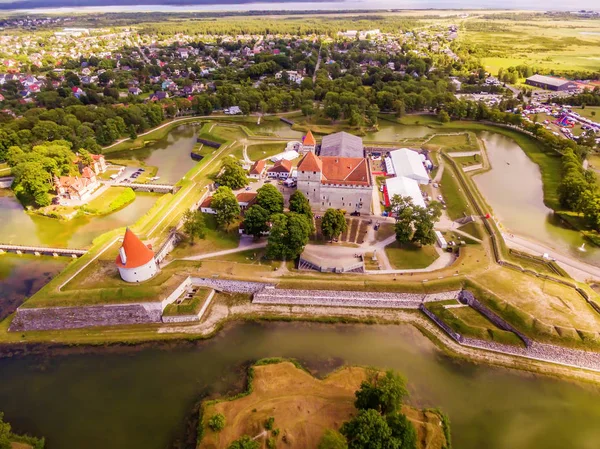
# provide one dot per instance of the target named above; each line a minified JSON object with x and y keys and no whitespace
{"x":135,"y":260}
{"x":403,"y":186}
{"x":407,"y":163}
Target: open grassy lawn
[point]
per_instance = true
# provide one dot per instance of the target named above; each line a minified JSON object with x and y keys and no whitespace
{"x":540,"y":42}
{"x":410,"y":256}
{"x":470,"y":323}
{"x":453,"y":142}
{"x":543,"y":309}
{"x":265,"y":150}
{"x":454,"y":196}
{"x":473,"y":229}
{"x":467,"y":161}
{"x":591,"y":112}
{"x":216,"y":239}
{"x":112,"y":199}
{"x":303,"y":407}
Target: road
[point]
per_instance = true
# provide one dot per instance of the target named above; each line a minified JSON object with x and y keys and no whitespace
{"x":579,"y":270}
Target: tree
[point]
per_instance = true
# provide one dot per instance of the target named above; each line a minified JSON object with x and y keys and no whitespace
{"x":332,"y":440}
{"x":402,"y":429}
{"x":288,"y":236}
{"x":194,"y":225}
{"x":333,"y":111}
{"x":270,"y":198}
{"x":414,"y":223}
{"x":381,"y":392}
{"x":5,"y":432}
{"x":216,"y":422}
{"x":225,"y":205}
{"x":256,"y":220}
{"x":368,"y":430}
{"x":300,"y":205}
{"x":333,"y":224}
{"x":244,"y":442}
{"x":232,"y":174}
{"x":443,"y":116}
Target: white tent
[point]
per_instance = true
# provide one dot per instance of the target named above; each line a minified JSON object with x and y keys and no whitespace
{"x":405,"y":187}
{"x":289,"y":155}
{"x":408,"y":163}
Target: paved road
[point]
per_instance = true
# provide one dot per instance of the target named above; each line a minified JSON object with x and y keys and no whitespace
{"x":579,"y":270}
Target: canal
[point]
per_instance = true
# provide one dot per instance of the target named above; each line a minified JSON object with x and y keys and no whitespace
{"x":20,"y":228}
{"x":141,"y":398}
{"x":513,"y":188}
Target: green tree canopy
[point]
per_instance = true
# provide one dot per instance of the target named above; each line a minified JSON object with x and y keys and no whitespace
{"x":288,"y":236}
{"x":270,"y":198}
{"x":381,"y":392}
{"x":368,"y":430}
{"x":332,"y":440}
{"x":232,"y":174}
{"x":414,"y":223}
{"x":244,"y":442}
{"x":256,"y":220}
{"x":225,"y":205}
{"x":5,"y":431}
{"x":333,"y":223}
{"x":216,"y":422}
{"x":194,"y":225}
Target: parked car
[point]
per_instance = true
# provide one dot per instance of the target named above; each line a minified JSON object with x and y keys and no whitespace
{"x":355,"y":214}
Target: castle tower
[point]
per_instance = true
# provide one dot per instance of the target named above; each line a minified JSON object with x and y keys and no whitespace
{"x":135,"y":261}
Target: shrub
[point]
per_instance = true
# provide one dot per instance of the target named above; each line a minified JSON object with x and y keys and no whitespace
{"x":216,"y":422}
{"x":269,"y":423}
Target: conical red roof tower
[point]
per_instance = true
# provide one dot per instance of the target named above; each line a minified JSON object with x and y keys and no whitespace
{"x":133,"y":252}
{"x":309,"y":139}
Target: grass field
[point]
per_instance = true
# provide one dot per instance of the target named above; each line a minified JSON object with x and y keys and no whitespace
{"x":466,"y":141}
{"x":303,"y":408}
{"x":189,"y":306}
{"x":544,"y":43}
{"x":456,"y":203}
{"x":216,"y":239}
{"x":265,"y":150}
{"x":410,"y":256}
{"x":112,"y":199}
{"x":470,"y":323}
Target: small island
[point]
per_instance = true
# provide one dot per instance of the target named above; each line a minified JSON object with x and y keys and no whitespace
{"x":285,"y":406}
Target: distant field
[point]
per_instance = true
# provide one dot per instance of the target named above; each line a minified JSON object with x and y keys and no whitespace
{"x":543,"y":43}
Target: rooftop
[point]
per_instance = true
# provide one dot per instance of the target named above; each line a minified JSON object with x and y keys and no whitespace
{"x":136,"y":253}
{"x":342,"y":144}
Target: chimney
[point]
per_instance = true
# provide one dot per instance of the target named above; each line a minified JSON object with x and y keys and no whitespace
{"x":123,"y":255}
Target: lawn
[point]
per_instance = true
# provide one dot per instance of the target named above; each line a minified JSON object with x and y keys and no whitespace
{"x":265,"y":150}
{"x":542,"y":309}
{"x":410,"y":256}
{"x":303,"y":407}
{"x":453,"y":142}
{"x":470,"y":323}
{"x":473,"y":229}
{"x":457,"y":205}
{"x":591,"y":112}
{"x":216,"y":239}
{"x":114,"y":198}
{"x":467,"y":161}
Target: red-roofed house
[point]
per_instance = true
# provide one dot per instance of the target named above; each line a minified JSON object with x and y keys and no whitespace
{"x":135,"y":261}
{"x":75,"y":187}
{"x":281,"y":169}
{"x":257,"y":170}
{"x":205,"y":206}
{"x":246,"y":199}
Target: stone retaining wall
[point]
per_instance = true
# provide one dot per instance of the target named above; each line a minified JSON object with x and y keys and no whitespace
{"x":51,"y":318}
{"x":225,"y":285}
{"x":335,"y":298}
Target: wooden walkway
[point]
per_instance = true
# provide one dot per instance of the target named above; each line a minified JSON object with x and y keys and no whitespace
{"x":39,"y":250}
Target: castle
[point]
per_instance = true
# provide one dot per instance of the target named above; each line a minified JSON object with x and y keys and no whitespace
{"x":340,"y":177}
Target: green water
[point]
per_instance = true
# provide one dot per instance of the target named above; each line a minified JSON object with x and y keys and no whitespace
{"x":22,"y":276}
{"x":20,"y":228}
{"x":514,"y":190}
{"x":171,"y":154}
{"x":141,"y":399}
{"x":392,"y":132}
{"x":276,"y":128}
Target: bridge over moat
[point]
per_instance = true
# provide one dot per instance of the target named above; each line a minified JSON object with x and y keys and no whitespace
{"x":158,"y":188}
{"x":42,"y":250}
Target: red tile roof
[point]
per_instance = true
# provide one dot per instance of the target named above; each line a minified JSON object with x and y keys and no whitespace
{"x":136,"y":253}
{"x":246,"y":197}
{"x":345,"y":170}
{"x":258,"y":167}
{"x":206,"y":202}
{"x":310,"y":163}
{"x":309,"y":139}
{"x":281,"y":166}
